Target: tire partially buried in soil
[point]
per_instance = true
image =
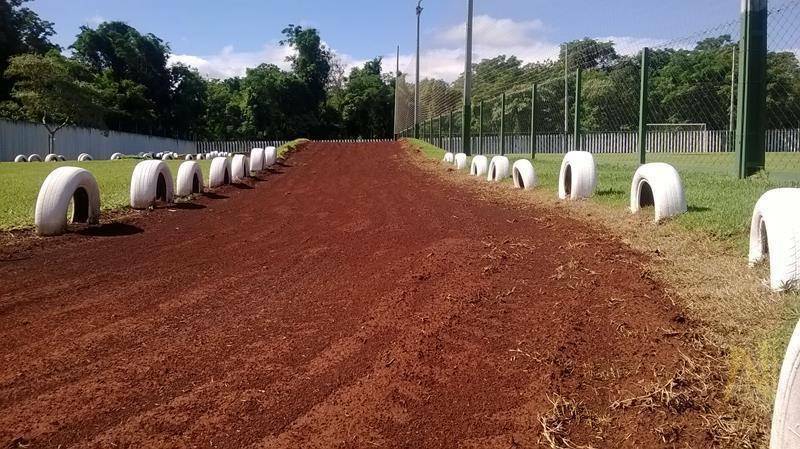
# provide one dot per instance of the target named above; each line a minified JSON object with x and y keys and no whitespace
{"x":375,"y":306}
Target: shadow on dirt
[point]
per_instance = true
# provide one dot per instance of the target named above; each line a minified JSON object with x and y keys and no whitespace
{"x":111,"y":230}
{"x":215,"y":196}
{"x":188,"y":206}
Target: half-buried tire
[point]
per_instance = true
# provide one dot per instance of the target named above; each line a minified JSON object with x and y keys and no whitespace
{"x":117,"y":156}
{"x":480,"y":166}
{"x":658,"y":185}
{"x":240,"y":168}
{"x":449,"y":158}
{"x":20,"y":158}
{"x":220,"y":174}
{"x":524,"y":175}
{"x":775,"y":233}
{"x":84,"y":157}
{"x":499,"y":169}
{"x":786,"y":412}
{"x":51,"y":158}
{"x":34,"y":158}
{"x":257,"y":159}
{"x":460,"y":161}
{"x":578,"y":177}
{"x":151,"y":181}
{"x":63,"y":186}
{"x":270,"y":156}
{"x":190,"y":179}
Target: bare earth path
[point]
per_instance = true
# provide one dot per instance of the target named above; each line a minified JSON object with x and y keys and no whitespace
{"x":350,"y":300}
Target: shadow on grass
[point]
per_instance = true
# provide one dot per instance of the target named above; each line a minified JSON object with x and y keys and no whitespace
{"x":111,"y":230}
{"x":611,"y":192}
{"x":698,"y":209}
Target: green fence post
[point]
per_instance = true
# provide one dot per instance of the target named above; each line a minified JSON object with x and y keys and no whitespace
{"x":480,"y":127}
{"x":644,"y":105}
{"x":578,"y":82}
{"x":450,"y":133}
{"x":439,"y":140}
{"x":751,"y":111}
{"x":503,"y":124}
{"x":533,"y":121}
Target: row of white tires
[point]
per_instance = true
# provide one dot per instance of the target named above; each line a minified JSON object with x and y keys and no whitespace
{"x":38,"y":158}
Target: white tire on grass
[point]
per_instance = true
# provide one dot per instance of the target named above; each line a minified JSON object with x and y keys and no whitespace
{"x":61,"y":158}
{"x":62,"y":186}
{"x":188,"y":157}
{"x":167,"y":157}
{"x":51,"y":158}
{"x":20,"y":158}
{"x":84,"y":157}
{"x":499,"y":169}
{"x":270,"y":156}
{"x":460,"y":161}
{"x":220,"y":172}
{"x":240,"y":168}
{"x":117,"y":156}
{"x":449,"y":158}
{"x":775,"y":233}
{"x":151,"y":181}
{"x":785,"y":432}
{"x":34,"y":158}
{"x":578,"y":177}
{"x":190,"y":179}
{"x":257,"y":159}
{"x":658,"y":185}
{"x":524,"y":175}
{"x":480,"y":166}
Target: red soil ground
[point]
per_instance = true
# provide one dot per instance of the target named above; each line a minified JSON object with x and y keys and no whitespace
{"x":351,"y":299}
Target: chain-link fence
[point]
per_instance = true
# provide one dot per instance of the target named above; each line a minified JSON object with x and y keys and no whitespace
{"x":691,"y":86}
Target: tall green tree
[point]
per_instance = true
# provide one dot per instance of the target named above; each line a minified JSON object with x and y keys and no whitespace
{"x":368,"y":102}
{"x":21,"y":31}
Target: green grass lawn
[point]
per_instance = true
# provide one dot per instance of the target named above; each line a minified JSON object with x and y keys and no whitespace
{"x":719,"y":204}
{"x":20,"y":183}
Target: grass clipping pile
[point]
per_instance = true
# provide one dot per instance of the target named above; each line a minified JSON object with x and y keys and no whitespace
{"x":710,"y":382}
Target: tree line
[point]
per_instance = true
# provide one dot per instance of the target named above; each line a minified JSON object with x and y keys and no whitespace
{"x":117,"y":78}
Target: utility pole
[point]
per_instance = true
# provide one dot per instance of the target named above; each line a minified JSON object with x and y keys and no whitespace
{"x":416,"y":84}
{"x":396,"y":90}
{"x":466,"y":137}
{"x":732,"y":110}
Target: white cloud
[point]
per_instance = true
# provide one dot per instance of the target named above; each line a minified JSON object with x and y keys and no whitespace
{"x":95,"y":20}
{"x":229,"y":62}
{"x":629,"y":46}
{"x":493,"y":32}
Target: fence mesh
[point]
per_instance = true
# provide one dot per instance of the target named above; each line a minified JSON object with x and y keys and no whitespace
{"x":692,"y":98}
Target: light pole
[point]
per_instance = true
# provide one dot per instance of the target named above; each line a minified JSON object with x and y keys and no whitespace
{"x":416,"y":84}
{"x":466,"y":135}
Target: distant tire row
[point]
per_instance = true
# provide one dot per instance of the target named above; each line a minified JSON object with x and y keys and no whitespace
{"x":271,"y":156}
{"x":151,"y":182}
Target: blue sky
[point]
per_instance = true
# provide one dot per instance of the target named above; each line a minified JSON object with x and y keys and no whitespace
{"x":222,"y":38}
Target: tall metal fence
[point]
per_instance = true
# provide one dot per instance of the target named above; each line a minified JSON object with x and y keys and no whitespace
{"x":237,"y":146}
{"x":682,"y":96}
{"x":28,"y":138}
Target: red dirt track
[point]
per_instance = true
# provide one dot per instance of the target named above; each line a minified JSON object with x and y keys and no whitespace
{"x":351,"y":300}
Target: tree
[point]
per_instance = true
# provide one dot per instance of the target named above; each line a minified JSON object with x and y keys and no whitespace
{"x":188,"y":98}
{"x":21,"y":31}
{"x":367,"y":103}
{"x":54,"y":90}
{"x":122,"y":53}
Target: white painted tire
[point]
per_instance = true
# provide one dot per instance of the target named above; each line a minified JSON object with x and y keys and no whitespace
{"x":190,"y":179}
{"x":460,"y":161}
{"x":240,"y":168}
{"x":167,"y":157}
{"x":449,"y":158}
{"x":480,"y":166}
{"x":499,"y":169}
{"x":220,"y":172}
{"x":658,"y":185}
{"x":257,"y":159}
{"x":34,"y":158}
{"x":524,"y":175}
{"x":151,"y":181}
{"x":117,"y":156}
{"x":84,"y":157}
{"x":61,"y":158}
{"x":775,"y":233}
{"x":20,"y":158}
{"x":270,"y":156}
{"x":188,"y":157}
{"x":51,"y":158}
{"x":578,"y":177}
{"x":62,"y":186}
{"x":785,"y":432}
